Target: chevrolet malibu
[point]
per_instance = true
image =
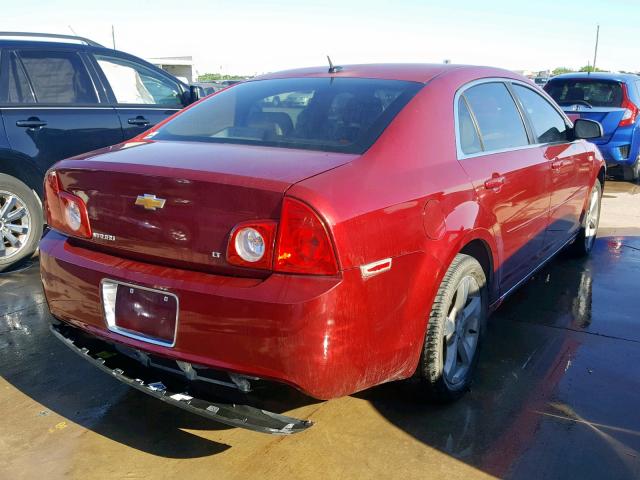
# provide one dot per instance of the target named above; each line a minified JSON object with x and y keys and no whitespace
{"x":361,"y":239}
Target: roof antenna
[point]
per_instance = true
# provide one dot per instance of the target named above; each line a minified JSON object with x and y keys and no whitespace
{"x":332,"y":68}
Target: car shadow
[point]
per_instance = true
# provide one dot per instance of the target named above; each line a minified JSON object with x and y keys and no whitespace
{"x":525,"y":369}
{"x":550,"y":355}
{"x":35,"y":363}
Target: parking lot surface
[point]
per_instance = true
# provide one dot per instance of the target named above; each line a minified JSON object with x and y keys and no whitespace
{"x":556,"y":396}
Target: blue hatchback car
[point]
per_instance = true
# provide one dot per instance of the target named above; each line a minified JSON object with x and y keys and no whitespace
{"x":613,"y":99}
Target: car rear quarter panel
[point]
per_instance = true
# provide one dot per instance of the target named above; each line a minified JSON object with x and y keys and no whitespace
{"x":407,"y":199}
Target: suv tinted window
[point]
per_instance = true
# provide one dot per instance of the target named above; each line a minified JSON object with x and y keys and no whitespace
{"x":330,"y":114}
{"x":468,"y":135}
{"x":19,"y":89}
{"x":136,"y":84}
{"x":548,"y":124}
{"x":596,"y":93}
{"x":58,"y":77}
{"x":498,"y":118}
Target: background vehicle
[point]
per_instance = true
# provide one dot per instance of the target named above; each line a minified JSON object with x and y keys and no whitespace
{"x":611,"y":99}
{"x":61,"y":96}
{"x":362,"y":240}
{"x":541,"y":81}
{"x":208,"y":87}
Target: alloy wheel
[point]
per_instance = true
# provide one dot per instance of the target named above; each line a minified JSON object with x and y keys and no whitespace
{"x":15,"y":224}
{"x":461,"y":330}
{"x":592,"y":219}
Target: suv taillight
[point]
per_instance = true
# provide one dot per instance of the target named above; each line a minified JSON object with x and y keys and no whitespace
{"x":303,"y":244}
{"x":66,"y":213}
{"x":630,"y":109}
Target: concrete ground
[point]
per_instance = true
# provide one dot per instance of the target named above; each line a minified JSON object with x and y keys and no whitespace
{"x":557,"y":395}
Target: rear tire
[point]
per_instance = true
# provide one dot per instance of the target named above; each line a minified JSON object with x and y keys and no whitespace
{"x":455,"y":330}
{"x":632,"y":173}
{"x":583,"y":243}
{"x":21,"y":221}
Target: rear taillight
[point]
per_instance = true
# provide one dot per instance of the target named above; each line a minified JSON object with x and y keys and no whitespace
{"x":66,"y":213}
{"x":303,"y":244}
{"x":251,"y":244}
{"x":630,"y":109}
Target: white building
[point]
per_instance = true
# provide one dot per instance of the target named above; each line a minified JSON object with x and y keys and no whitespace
{"x":181,"y":67}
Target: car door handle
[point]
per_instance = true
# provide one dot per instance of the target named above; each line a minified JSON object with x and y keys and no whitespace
{"x":494,"y":183}
{"x":139,"y":121}
{"x":31,"y":122}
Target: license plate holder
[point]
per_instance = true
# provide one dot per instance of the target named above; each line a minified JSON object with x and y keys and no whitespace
{"x":142,"y":313}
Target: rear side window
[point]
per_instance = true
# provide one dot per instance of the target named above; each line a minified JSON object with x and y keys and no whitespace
{"x":548,"y":124}
{"x":329,"y":114}
{"x":497,"y":116}
{"x":593,"y":93}
{"x":469,"y":139}
{"x":58,"y":77}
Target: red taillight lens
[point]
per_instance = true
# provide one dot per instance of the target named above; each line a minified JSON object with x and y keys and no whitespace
{"x":66,"y":213}
{"x":630,"y":109}
{"x":251,"y":244}
{"x":303,"y":244}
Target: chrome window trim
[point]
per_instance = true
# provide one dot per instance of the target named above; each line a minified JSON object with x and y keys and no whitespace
{"x":112,"y":327}
{"x":35,"y":106}
{"x":505,"y":81}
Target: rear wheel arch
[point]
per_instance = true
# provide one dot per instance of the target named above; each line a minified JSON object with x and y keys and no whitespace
{"x":480,"y":244}
{"x":23,"y":169}
{"x":602,"y":175}
{"x":481,"y":251}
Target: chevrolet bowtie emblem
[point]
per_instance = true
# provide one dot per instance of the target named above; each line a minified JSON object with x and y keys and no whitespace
{"x":150,"y":202}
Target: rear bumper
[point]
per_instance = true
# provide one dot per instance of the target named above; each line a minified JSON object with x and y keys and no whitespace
{"x":623,"y":148}
{"x":111,"y":361}
{"x":326,"y":336}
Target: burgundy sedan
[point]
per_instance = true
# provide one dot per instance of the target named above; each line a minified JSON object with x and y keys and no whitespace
{"x":358,"y":238}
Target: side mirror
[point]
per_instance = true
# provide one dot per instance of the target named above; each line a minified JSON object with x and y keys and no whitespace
{"x":586,"y":129}
{"x":196,"y":93}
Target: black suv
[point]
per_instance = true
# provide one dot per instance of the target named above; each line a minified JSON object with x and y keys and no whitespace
{"x":61,"y":96}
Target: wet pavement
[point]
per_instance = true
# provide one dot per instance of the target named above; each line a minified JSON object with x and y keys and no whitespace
{"x":557,"y":395}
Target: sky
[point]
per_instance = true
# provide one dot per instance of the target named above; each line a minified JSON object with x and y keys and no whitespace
{"x":250,"y":36}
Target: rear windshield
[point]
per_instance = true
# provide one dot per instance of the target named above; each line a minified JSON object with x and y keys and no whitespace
{"x":329,"y":114}
{"x":594,"y":93}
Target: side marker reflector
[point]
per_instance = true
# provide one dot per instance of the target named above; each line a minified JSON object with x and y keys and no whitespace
{"x":372,"y":269}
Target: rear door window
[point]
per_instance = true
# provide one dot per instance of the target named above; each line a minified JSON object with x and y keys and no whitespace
{"x":593,"y":93}
{"x":19,"y":90}
{"x":548,"y":125}
{"x":497,"y":116}
{"x":58,"y":77}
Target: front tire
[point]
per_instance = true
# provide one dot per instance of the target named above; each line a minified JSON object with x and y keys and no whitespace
{"x":583,"y":243}
{"x":455,"y":330}
{"x":21,"y":221}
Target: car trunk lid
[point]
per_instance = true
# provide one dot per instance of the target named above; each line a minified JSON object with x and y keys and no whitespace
{"x":207,"y":189}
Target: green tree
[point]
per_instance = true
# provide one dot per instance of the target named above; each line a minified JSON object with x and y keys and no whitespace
{"x":214,"y":77}
{"x":561,"y":70}
{"x":589,"y":68}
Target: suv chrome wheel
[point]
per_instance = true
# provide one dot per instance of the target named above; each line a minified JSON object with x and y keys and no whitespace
{"x":15,"y":225}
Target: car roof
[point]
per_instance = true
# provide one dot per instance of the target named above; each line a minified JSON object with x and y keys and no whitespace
{"x":413,"y":72}
{"x":616,"y":77}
